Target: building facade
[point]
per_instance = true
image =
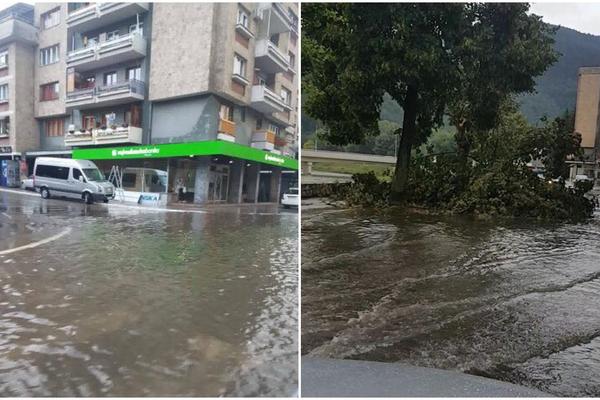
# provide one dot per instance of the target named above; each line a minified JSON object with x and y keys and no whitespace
{"x":587,"y":112}
{"x":127,"y":84}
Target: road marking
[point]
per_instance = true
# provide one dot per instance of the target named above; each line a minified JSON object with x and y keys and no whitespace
{"x":6,"y":215}
{"x":19,"y":192}
{"x":36,"y":244}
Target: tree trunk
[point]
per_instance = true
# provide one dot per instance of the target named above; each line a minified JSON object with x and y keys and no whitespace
{"x":409,"y":128}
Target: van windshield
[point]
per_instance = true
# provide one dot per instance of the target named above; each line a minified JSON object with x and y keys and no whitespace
{"x":93,"y":174}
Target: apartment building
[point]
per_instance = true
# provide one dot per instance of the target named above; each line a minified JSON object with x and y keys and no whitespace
{"x":587,"y":112}
{"x":18,"y":40}
{"x":204,"y":91}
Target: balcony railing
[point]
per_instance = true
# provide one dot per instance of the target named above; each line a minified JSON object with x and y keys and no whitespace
{"x":98,"y":94}
{"x":226,"y":130}
{"x":91,"y":12}
{"x":98,"y":50}
{"x":117,"y":134}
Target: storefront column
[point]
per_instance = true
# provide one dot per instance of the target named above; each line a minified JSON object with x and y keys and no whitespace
{"x":253,"y":175}
{"x":275,"y":185}
{"x":201,"y":182}
{"x":236,"y":177}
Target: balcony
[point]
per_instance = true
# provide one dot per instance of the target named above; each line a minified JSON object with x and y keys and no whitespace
{"x":263,"y":140}
{"x":269,"y":58}
{"x":120,"y":134}
{"x":120,"y":93}
{"x":265,"y":100}
{"x":279,"y":19}
{"x":101,"y":14}
{"x":226,"y":130}
{"x":102,"y":54}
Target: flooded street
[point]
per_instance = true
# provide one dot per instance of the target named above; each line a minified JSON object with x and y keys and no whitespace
{"x":123,"y":302}
{"x":516,"y":301}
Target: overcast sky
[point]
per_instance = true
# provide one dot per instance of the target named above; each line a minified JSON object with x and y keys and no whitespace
{"x":583,"y":17}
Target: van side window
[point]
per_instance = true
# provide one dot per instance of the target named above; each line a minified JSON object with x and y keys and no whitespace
{"x":129,"y":180}
{"x":51,"y":171}
{"x":76,"y":174}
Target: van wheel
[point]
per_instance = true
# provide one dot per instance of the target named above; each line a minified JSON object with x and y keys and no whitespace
{"x":45,"y":193}
{"x":87,"y":198}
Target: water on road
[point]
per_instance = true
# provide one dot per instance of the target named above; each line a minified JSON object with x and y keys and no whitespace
{"x":124,"y":302}
{"x":517,"y":301}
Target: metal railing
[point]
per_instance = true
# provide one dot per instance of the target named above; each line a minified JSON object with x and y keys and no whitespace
{"x":131,"y":86}
{"x":107,"y":45}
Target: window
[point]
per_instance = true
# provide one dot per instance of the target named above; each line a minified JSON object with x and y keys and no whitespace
{"x":243,"y":18}
{"x":49,"y":91}
{"x":4,"y":92}
{"x":54,"y":127}
{"x":258,"y":124}
{"x":243,"y":114}
{"x":239,"y":65}
{"x":275,"y":39}
{"x":49,"y":55}
{"x":274,"y":128}
{"x":3,"y":58}
{"x":226,"y":112}
{"x":134,"y":73}
{"x":50,"y":19}
{"x":51,"y":171}
{"x":76,"y":173}
{"x":137,"y":28}
{"x":110,"y":78}
{"x":4,"y":126}
{"x":292,"y":59}
{"x":286,"y":96}
{"x":88,"y":122}
{"x":112,"y":35}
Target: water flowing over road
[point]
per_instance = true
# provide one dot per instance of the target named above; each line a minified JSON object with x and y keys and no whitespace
{"x":121,"y":302}
{"x":517,"y":301}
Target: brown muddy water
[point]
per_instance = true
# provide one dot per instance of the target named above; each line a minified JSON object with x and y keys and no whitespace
{"x":517,"y":301}
{"x":139,"y":303}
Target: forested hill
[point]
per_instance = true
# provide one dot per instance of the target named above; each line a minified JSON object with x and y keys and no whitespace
{"x":555,"y":91}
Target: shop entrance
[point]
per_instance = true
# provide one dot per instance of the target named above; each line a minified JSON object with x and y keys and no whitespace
{"x":182,"y":179}
{"x":218,"y":183}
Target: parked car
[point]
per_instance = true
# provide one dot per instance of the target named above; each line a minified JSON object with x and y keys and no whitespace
{"x":27,"y":183}
{"x":65,"y":177}
{"x":291,"y":198}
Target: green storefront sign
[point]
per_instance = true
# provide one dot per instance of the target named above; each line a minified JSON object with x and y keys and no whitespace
{"x":208,"y":148}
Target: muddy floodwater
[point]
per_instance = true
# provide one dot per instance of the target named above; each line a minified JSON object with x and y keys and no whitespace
{"x":123,"y":302}
{"x":517,"y":301}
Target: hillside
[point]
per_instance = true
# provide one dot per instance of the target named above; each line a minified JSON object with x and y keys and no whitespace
{"x":555,"y":91}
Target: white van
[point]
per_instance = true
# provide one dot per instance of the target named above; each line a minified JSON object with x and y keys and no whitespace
{"x":79,"y":179}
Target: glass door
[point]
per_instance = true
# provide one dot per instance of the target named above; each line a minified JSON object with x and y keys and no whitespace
{"x":218,"y":184}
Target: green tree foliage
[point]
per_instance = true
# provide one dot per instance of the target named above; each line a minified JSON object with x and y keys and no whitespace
{"x":500,"y":182}
{"x":422,"y":55}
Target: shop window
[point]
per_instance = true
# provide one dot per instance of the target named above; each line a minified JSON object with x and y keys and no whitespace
{"x":49,"y":91}
{"x":54,"y":127}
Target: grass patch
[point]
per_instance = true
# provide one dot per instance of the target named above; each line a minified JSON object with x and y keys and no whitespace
{"x":354,"y":168}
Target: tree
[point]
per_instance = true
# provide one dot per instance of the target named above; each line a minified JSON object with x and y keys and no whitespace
{"x":419,"y":54}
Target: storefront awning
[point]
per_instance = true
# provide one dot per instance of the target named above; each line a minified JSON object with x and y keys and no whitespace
{"x":207,"y":148}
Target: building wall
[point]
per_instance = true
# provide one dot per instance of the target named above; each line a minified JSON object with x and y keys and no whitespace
{"x":181,"y":45}
{"x":588,"y":102}
{"x":23,"y":123}
{"x":9,"y":110}
{"x":53,"y":72}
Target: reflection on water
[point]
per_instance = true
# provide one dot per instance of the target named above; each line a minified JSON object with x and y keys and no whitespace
{"x":517,"y":301}
{"x":159,"y":304}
